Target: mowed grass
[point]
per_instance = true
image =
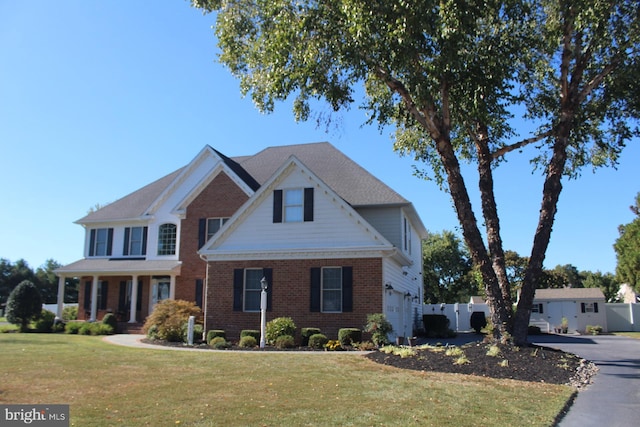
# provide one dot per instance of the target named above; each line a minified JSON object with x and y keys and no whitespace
{"x":109,"y":385}
{"x":635,"y":335}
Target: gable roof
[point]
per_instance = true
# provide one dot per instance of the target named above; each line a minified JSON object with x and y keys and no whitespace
{"x":346,"y":178}
{"x":569,"y":293}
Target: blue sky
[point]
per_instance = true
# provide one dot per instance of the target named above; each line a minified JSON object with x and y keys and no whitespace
{"x":98,"y":99}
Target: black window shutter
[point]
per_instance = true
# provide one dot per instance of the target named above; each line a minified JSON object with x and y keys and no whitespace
{"x":109,"y":241}
{"x":139,"y":299}
{"x":308,"y":204}
{"x":92,"y":242}
{"x":87,"y":295}
{"x":202,"y":232}
{"x":122,"y":297}
{"x":127,"y":234}
{"x":277,"y":205}
{"x":315,"y":289}
{"x":199,"y":292}
{"x":144,"y":240}
{"x":347,"y":288}
{"x":582,"y":309}
{"x":268,"y":275}
{"x":595,"y":307}
{"x":541,"y":309}
{"x":238,"y":288}
{"x":104,"y":288}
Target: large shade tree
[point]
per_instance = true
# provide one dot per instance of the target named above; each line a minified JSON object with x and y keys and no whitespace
{"x":448,"y":75}
{"x":627,"y":248}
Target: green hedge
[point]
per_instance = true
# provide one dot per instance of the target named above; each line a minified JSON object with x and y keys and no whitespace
{"x":306,"y":333}
{"x":347,"y":336}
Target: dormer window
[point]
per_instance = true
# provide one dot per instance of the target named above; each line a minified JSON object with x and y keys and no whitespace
{"x":100,"y":241}
{"x":167,"y":234}
{"x":293,"y":205}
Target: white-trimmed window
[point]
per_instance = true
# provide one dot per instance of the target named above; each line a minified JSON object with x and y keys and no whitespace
{"x":407,"y":235}
{"x":214,"y":224}
{"x":589,"y":307}
{"x":331,"y":289}
{"x":167,"y":235}
{"x":252,"y":289}
{"x":100,"y":241}
{"x":537,"y":308}
{"x":135,"y":241}
{"x":293,"y":205}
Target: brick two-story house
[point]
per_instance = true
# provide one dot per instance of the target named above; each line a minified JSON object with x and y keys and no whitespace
{"x":333,"y":242}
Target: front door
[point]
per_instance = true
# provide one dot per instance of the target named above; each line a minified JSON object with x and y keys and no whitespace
{"x":159,"y":291}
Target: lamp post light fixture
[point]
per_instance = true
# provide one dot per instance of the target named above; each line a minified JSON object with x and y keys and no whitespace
{"x":263,"y":310}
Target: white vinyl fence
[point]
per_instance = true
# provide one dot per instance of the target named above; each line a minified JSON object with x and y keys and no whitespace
{"x":459,"y":314}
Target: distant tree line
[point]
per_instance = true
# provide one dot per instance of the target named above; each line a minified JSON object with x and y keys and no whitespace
{"x":13,"y":273}
{"x":449,"y":275}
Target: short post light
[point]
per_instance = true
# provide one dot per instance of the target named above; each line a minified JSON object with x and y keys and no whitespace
{"x":263,"y":310}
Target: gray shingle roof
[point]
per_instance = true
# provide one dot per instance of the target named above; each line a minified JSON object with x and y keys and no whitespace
{"x":569,"y":293}
{"x":348,"y":179}
{"x":106,"y":266}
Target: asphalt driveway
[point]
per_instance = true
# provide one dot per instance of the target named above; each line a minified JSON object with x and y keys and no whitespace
{"x":613,"y":400}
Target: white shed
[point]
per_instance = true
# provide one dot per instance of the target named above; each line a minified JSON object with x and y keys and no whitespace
{"x":580,"y":306}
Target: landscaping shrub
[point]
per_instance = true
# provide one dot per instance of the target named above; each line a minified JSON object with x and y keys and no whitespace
{"x":333,"y":345}
{"x":248,"y":342}
{"x":594,"y":330}
{"x":285,"y":341}
{"x":73,"y":327}
{"x":278,"y":327}
{"x":94,"y":328}
{"x":23,"y":305}
{"x":306,"y":333}
{"x":347,"y":336}
{"x":379,"y":327}
{"x":250,"y":333}
{"x":45,"y":322}
{"x":364,"y":346}
{"x":111,"y":320}
{"x":318,"y":340}
{"x":70,"y":313}
{"x":478,"y":321}
{"x":216,"y":333}
{"x":219,"y":343}
{"x":436,"y":325}
{"x":198,"y":331}
{"x":169,"y":316}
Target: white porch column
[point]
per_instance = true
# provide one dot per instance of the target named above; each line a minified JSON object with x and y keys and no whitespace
{"x":60,"y":301}
{"x":133,"y":299}
{"x":172,"y":287}
{"x":94,"y":299}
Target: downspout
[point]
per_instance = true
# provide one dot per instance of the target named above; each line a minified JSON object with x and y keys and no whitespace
{"x":206,"y":293}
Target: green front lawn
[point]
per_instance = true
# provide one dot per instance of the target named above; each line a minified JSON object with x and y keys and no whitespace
{"x":109,"y":385}
{"x":635,"y":335}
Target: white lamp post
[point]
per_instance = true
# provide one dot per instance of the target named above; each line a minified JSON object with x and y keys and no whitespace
{"x":263,"y":310}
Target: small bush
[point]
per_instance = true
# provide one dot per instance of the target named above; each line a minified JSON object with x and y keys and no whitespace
{"x":153,"y":332}
{"x":594,"y":330}
{"x":248,"y":342}
{"x":70,"y":313}
{"x":94,"y":328}
{"x":219,"y":343}
{"x":379,"y":328}
{"x":45,"y":322}
{"x":478,"y":321}
{"x":111,"y":320}
{"x":333,"y":345}
{"x":318,"y":340}
{"x":436,"y":325}
{"x":215,"y":333}
{"x":278,"y":327}
{"x":250,"y":333}
{"x":347,"y":336}
{"x":198,"y":330}
{"x":306,"y":333}
{"x":285,"y":341}
{"x":169,"y":316}
{"x":73,"y":327}
{"x":364,"y":346}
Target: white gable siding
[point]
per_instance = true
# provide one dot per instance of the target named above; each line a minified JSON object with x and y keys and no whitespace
{"x":333,"y":225}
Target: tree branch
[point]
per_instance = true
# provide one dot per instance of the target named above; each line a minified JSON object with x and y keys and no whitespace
{"x":508,"y":148}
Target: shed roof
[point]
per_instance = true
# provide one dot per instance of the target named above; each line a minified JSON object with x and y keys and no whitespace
{"x":568,"y":294}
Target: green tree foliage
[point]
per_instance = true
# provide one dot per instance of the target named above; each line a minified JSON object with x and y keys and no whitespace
{"x":448,"y":75}
{"x":562,"y":276}
{"x":24,"y":305}
{"x":606,"y":282}
{"x":627,"y":249}
{"x":446,"y":269}
{"x":11,"y":274}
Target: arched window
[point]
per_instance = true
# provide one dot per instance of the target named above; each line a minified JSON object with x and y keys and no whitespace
{"x":167,"y":239}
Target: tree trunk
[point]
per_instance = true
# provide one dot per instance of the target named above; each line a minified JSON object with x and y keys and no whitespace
{"x":500,"y":317}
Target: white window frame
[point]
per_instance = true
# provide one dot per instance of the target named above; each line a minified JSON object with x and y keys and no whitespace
{"x":212,"y":221}
{"x":293,"y":210}
{"x":139,"y":241}
{"x":100,"y":245}
{"x":589,"y":307}
{"x":325,"y":290}
{"x":171,"y":247}
{"x":254,"y":290}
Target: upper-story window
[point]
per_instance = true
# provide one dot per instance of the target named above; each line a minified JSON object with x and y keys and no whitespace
{"x":100,"y":241}
{"x":135,"y":241}
{"x":167,"y":234}
{"x":293,"y":205}
{"x":214,"y":224}
{"x":407,"y":235}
